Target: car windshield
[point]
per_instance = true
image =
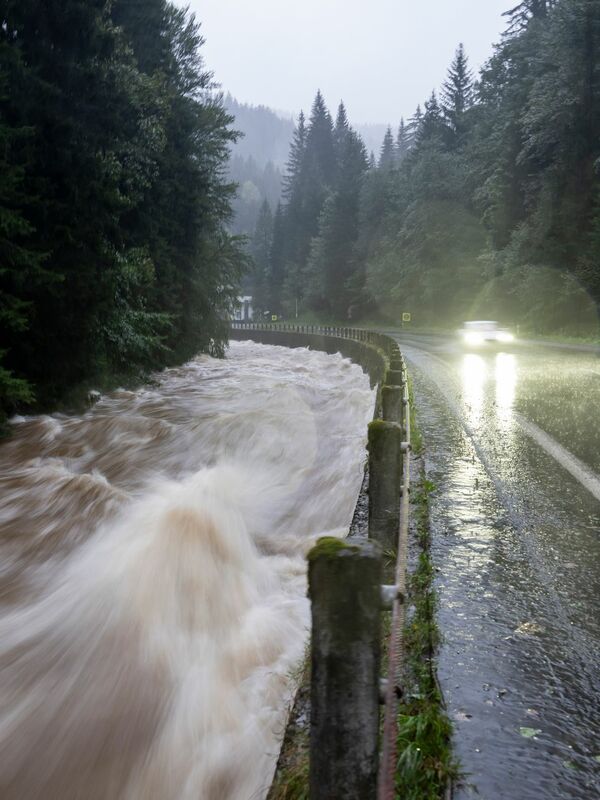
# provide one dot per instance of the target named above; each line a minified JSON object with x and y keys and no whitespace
{"x":479,"y":325}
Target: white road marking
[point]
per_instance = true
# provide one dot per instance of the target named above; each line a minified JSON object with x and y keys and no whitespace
{"x":571,"y":463}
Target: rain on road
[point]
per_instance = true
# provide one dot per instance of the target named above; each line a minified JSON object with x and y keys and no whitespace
{"x":513,"y":447}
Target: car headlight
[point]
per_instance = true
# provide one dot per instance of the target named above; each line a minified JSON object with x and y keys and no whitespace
{"x":473,"y":338}
{"x":505,"y":336}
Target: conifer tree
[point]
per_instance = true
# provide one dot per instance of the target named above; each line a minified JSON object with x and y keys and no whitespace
{"x":413,"y":128}
{"x":277,"y":265}
{"x":331,"y":264}
{"x":457,"y":91}
{"x":520,"y":15}
{"x":20,"y":266}
{"x":387,"y":155}
{"x":261,"y":246}
{"x":320,"y":148}
{"x":144,"y":23}
{"x":341,"y":129}
{"x":402,"y":142}
{"x":113,"y":204}
{"x":432,"y":125}
{"x":295,"y":161}
{"x":305,"y":195}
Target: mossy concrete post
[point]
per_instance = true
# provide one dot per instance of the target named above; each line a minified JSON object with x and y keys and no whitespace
{"x":344,"y":579}
{"x":385,"y":475}
{"x":391,"y":403}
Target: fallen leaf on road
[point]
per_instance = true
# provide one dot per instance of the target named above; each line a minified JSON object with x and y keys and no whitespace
{"x":527,"y":628}
{"x":528,"y":733}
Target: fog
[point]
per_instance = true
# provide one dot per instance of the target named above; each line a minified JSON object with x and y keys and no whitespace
{"x":382,"y":57}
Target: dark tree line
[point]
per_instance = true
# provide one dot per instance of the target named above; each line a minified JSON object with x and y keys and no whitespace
{"x":485,"y":202}
{"x":114,"y":255}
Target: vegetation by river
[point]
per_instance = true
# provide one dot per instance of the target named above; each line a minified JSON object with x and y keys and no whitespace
{"x":114,"y":252}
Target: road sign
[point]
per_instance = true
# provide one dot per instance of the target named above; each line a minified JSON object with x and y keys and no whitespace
{"x":406,"y":316}
{"x":273,"y":317}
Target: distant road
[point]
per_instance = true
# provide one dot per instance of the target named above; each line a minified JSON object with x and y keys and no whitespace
{"x":513,"y":445}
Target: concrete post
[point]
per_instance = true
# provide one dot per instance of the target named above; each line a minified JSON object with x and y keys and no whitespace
{"x":391,"y":402}
{"x":344,"y":578}
{"x":394,"y":377}
{"x":385,"y":476}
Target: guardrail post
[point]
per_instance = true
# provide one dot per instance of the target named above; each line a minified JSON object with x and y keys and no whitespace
{"x":344,"y":578}
{"x":385,"y":477}
{"x":391,"y":403}
{"x":394,"y":377}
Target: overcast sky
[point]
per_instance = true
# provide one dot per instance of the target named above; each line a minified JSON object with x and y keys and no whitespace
{"x":382,"y":57}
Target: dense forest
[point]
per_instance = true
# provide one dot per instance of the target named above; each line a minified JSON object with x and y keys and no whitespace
{"x":117,"y":168}
{"x":259,"y":155}
{"x":115,"y":256}
{"x":485,"y":203}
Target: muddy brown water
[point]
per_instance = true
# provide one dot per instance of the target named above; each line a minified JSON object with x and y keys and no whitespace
{"x":152,"y":575}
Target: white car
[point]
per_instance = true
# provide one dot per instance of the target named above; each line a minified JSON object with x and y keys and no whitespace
{"x":480,"y":332}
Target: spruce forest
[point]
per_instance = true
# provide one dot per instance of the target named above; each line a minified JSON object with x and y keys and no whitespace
{"x":484,"y":204}
{"x":115,"y":256}
{"x":119,"y":251}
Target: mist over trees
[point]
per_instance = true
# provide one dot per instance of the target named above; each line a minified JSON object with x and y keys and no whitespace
{"x":484,"y":203}
{"x":259,"y":156}
{"x":114,"y":252}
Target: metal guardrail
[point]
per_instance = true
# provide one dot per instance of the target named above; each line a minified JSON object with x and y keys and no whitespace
{"x":394,"y":443}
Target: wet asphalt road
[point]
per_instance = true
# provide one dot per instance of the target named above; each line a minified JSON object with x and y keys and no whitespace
{"x":513,"y":446}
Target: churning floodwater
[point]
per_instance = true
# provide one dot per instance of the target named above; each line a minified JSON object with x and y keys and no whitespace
{"x":152,"y":574}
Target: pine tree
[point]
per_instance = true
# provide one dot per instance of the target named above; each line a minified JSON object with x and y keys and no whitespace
{"x":305,"y":198}
{"x":520,"y":16}
{"x":320,"y":148}
{"x":432,"y":126}
{"x":341,"y":129}
{"x":113,"y":201}
{"x":295,"y":161}
{"x":457,"y":91}
{"x":144,"y":23}
{"x":331,"y":265}
{"x":402,"y":142}
{"x":260,"y":250}
{"x":20,"y":266}
{"x":387,"y":155}
{"x":413,"y":128}
{"x":277,"y":265}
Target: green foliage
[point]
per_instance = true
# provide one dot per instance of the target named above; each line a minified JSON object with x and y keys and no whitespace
{"x":487,"y":204}
{"x":114,"y":254}
{"x":260,"y":250}
{"x":425,"y":762}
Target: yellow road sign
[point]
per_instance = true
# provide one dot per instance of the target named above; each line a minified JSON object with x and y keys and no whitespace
{"x":406,"y":316}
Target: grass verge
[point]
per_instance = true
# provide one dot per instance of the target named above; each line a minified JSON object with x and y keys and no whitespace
{"x":426,"y":766}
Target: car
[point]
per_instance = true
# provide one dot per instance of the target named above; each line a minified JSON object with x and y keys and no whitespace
{"x":481,"y":332}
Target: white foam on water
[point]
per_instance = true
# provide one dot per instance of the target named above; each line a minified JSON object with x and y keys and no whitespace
{"x":156,"y":596}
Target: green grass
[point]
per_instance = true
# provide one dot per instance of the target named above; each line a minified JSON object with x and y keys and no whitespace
{"x":426,"y":765}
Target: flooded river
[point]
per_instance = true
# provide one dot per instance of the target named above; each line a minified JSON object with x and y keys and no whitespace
{"x":152,"y":575}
